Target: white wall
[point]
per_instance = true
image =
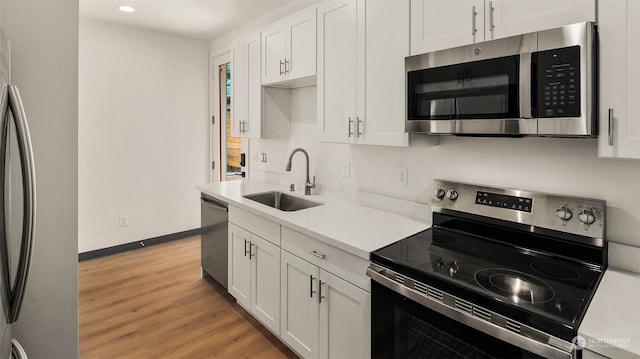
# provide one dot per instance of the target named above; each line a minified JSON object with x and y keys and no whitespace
{"x":143,"y":133}
{"x":44,"y":38}
{"x":563,"y":166}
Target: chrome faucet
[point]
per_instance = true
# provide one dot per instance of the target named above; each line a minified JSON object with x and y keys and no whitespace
{"x":308,"y":185}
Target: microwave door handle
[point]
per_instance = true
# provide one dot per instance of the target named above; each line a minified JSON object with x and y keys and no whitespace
{"x":29,"y":202}
{"x":5,"y":291}
{"x":525,"y":85}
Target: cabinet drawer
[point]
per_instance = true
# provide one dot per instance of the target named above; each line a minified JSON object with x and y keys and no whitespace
{"x":336,"y":261}
{"x":255,"y":224}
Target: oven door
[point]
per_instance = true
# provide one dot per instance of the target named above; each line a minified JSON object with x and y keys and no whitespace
{"x":403,"y":328}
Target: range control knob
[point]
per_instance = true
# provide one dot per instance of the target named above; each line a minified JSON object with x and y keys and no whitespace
{"x":587,"y":216}
{"x":440,"y":193}
{"x":564,"y":213}
{"x":452,"y":194}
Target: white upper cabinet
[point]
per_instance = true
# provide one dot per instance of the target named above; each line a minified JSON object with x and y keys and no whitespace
{"x":441,"y":24}
{"x":361,"y":79}
{"x":238,"y":87}
{"x":246,"y":91}
{"x":337,"y":67}
{"x":273,"y":53}
{"x":619,"y":30}
{"x":289,"y":50}
{"x":515,"y":17}
{"x":386,"y":45}
{"x":301,"y":46}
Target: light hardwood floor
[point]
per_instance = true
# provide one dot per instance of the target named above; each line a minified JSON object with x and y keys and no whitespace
{"x":152,"y":303}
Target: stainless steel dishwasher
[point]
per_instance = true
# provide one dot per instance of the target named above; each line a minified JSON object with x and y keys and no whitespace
{"x":213,"y":243}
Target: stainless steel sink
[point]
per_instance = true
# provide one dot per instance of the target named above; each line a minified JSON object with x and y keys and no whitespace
{"x":282,"y":201}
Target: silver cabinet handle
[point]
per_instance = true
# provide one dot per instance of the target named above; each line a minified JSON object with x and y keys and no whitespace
{"x":320,"y":296}
{"x":358,"y":127}
{"x":25,"y":150}
{"x":473,"y":21}
{"x":245,"y":247}
{"x":316,"y":254}
{"x":610,"y":127}
{"x":491,"y":10}
{"x":251,"y":254}
{"x":311,"y":291}
{"x":281,"y":70}
{"x":287,"y":64}
{"x":350,"y":122}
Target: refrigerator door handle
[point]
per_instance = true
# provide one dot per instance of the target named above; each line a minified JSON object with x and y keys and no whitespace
{"x":29,"y":202}
{"x":5,"y":279}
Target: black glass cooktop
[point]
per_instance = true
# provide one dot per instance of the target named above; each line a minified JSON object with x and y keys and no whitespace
{"x":535,"y":287}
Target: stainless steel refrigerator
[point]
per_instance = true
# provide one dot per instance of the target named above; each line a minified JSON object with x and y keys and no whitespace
{"x":17,"y":204}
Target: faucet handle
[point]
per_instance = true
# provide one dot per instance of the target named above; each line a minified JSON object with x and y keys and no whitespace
{"x":292,"y":187}
{"x":313,"y":183}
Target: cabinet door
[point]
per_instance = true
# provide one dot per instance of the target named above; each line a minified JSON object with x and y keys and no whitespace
{"x":253,"y":101}
{"x":238,"y":88}
{"x":619,"y":30}
{"x":337,"y":78}
{"x":239,"y":265}
{"x":386,"y":45}
{"x":265,"y":283}
{"x":345,"y":319}
{"x":301,"y":44}
{"x":515,"y":17}
{"x":299,"y":298}
{"x":441,"y":24}
{"x":273,"y":53}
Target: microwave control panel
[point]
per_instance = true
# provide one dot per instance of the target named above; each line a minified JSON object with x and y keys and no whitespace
{"x":558,"y":75}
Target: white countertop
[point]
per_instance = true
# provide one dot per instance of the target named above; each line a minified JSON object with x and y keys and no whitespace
{"x":611,"y":326}
{"x":356,"y":229}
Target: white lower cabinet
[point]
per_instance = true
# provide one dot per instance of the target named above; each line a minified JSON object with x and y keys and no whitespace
{"x":254,"y":275}
{"x":345,"y":319}
{"x":299,"y":300}
{"x":323,"y":316}
{"x":313,"y":295}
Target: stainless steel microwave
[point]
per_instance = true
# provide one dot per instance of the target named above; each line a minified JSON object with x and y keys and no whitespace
{"x":537,"y":84}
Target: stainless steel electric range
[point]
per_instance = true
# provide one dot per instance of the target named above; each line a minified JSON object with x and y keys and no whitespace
{"x":502,"y":273}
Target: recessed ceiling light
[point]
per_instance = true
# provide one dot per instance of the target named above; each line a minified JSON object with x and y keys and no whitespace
{"x":126,"y":8}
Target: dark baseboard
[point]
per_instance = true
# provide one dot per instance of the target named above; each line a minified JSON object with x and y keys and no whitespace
{"x":135,"y":245}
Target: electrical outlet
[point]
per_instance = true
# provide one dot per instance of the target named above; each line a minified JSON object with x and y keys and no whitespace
{"x":346,"y":169}
{"x":123,"y":220}
{"x":403,"y":176}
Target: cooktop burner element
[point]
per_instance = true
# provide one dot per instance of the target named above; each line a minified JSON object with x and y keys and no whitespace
{"x":555,"y":271}
{"x":516,"y":286}
{"x":536,"y":265}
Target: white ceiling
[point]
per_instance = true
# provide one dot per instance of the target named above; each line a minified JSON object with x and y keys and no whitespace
{"x":203,"y":19}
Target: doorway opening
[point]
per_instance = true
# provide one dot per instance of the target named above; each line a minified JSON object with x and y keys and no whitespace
{"x":230,"y":147}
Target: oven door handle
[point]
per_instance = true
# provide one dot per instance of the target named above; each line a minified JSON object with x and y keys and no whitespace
{"x":386,"y":277}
